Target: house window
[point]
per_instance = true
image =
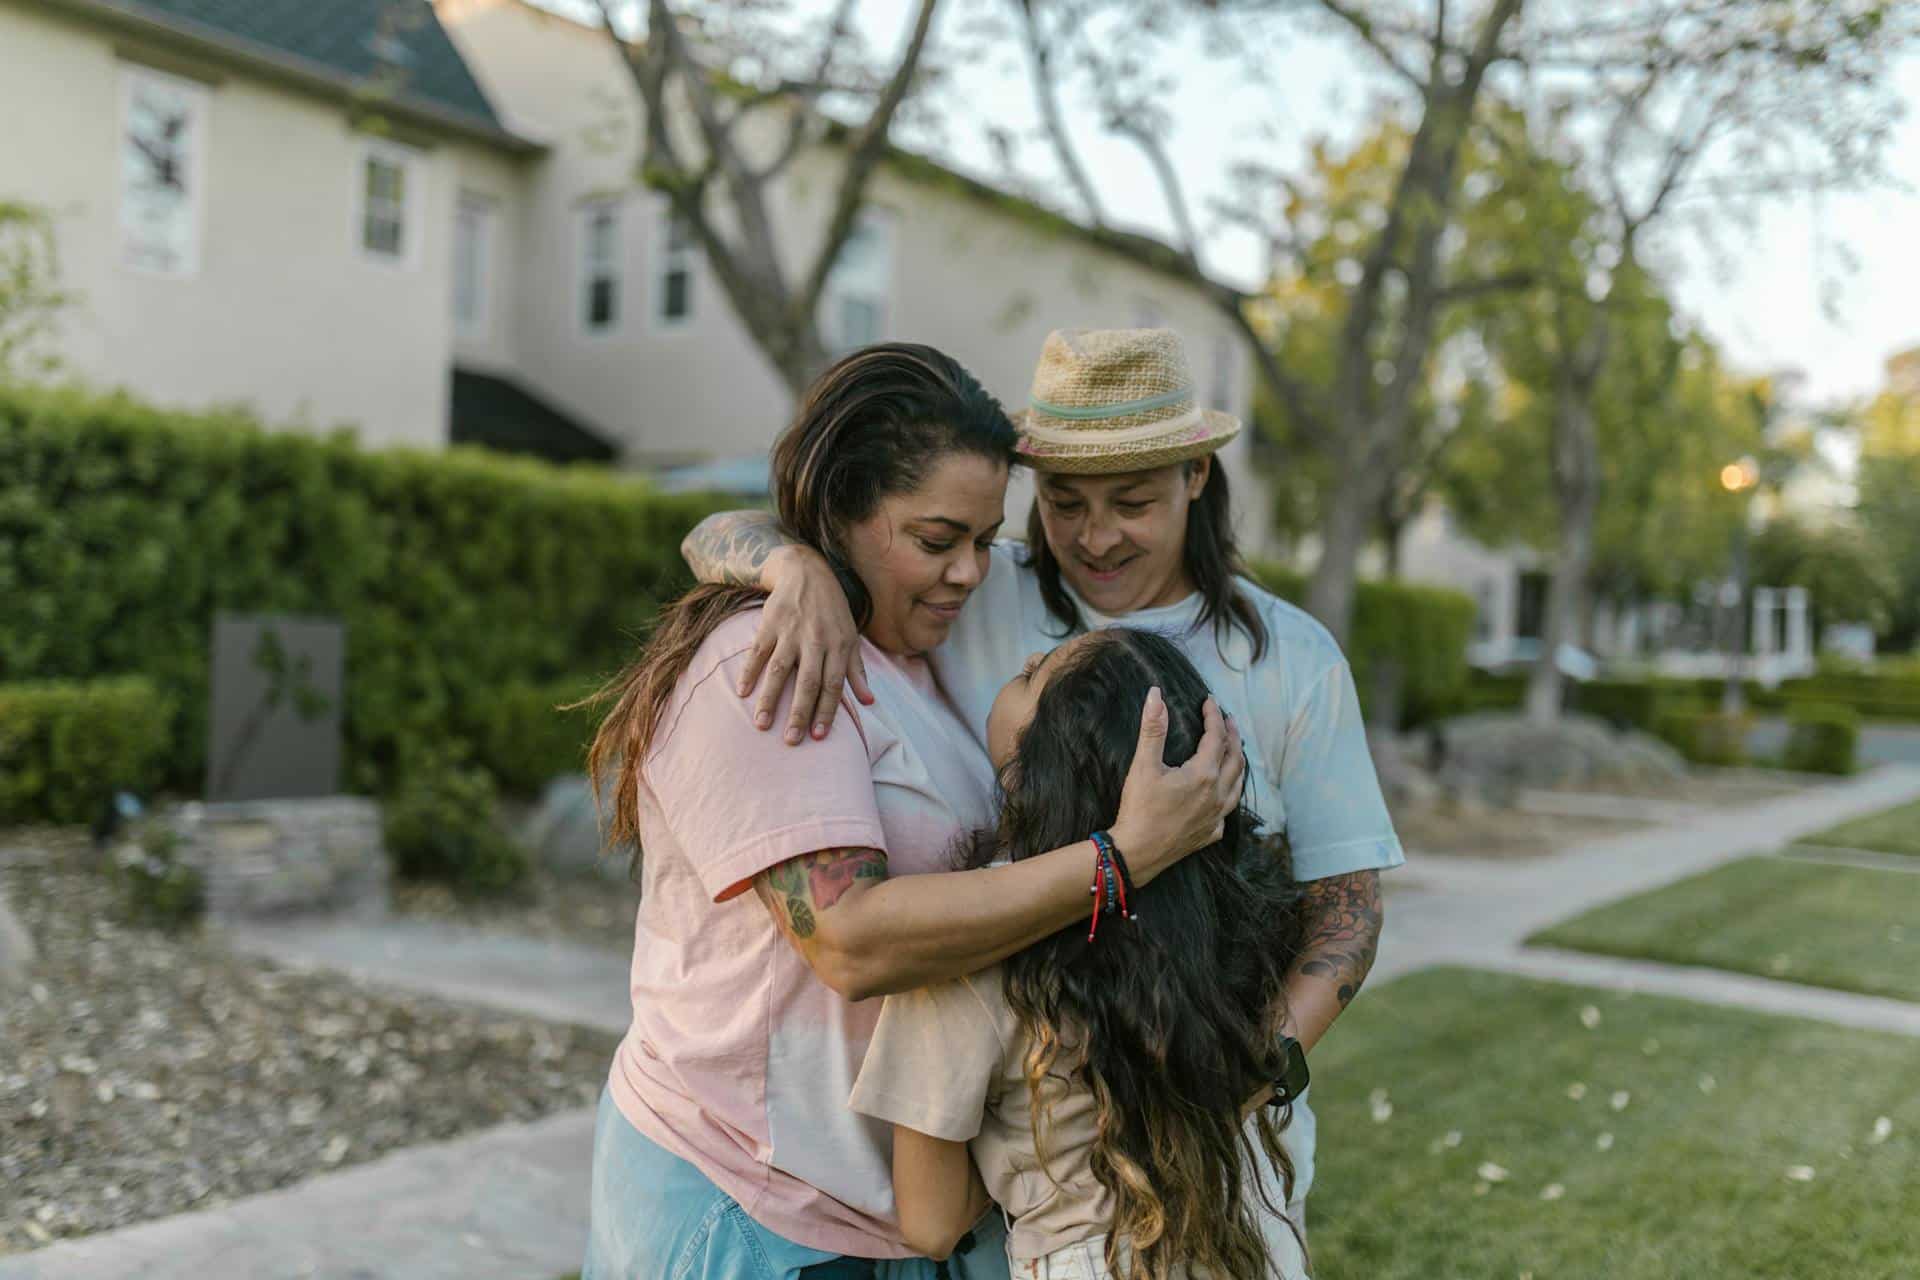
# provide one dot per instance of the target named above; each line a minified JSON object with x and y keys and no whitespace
{"x":673,"y":271}
{"x":600,"y":267}
{"x":162,"y":142}
{"x":390,"y":199}
{"x":1530,"y":612}
{"x":472,"y":247}
{"x":854,"y":303}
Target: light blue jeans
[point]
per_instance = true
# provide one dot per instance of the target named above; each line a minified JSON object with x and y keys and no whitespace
{"x":657,"y":1217}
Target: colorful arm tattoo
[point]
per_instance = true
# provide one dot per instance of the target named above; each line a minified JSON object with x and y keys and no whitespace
{"x":1343,"y":930}
{"x":799,"y":889}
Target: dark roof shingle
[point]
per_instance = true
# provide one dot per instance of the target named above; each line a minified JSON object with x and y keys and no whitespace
{"x":361,"y":39}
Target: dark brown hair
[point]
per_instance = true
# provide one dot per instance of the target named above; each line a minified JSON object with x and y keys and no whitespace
{"x":1212,"y":560}
{"x":1169,"y":1021}
{"x":870,"y":427}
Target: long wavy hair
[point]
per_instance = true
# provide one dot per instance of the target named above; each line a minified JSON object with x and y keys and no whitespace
{"x":872,"y":426}
{"x":1213,"y":562}
{"x":1170,"y":1021}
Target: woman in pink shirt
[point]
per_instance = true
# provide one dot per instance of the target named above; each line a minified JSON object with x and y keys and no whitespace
{"x":783,"y":889}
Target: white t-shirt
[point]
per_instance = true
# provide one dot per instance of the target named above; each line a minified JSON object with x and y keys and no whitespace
{"x":1309,"y":771}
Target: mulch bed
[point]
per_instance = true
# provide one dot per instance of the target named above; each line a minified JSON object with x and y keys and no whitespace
{"x":143,"y":1073}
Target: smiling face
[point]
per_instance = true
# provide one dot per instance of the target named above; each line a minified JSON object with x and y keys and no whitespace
{"x":1013,"y":708}
{"x":922,"y":553}
{"x":1121,"y":540}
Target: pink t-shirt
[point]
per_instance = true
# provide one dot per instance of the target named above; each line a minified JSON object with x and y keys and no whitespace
{"x":739,"y":1059}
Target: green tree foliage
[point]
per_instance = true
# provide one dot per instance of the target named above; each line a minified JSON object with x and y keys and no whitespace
{"x":1889,"y":514}
{"x":1847,"y":578}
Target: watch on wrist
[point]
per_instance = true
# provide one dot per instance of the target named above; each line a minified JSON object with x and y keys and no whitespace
{"x":1293,"y":1078}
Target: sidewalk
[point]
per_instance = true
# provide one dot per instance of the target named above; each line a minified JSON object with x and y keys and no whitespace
{"x":1478,"y":911}
{"x":508,"y":1204}
{"x":511,"y":1204}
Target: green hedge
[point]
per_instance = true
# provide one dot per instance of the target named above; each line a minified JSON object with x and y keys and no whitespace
{"x":66,"y":746}
{"x":1894,"y":695}
{"x":523,"y":739}
{"x":1423,"y":631}
{"x":1703,"y":736}
{"x":461,"y":576}
{"x":1822,"y":739}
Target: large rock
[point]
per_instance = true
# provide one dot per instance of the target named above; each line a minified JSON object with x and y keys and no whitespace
{"x":265,"y":858}
{"x":1493,"y":755}
{"x":16,"y":946}
{"x":563,"y":832}
{"x":1403,"y":782}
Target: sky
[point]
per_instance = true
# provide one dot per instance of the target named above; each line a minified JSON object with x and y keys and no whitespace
{"x":1774,"y":293}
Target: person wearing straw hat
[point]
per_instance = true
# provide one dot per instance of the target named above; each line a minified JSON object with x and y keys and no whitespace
{"x":1131,"y":525}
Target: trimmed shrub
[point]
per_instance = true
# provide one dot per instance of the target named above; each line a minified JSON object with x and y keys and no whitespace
{"x":1889,"y":695}
{"x":66,"y":746}
{"x":522,"y":737}
{"x":1822,"y":739}
{"x":1703,"y":736}
{"x":1624,"y":704}
{"x":440,"y":825}
{"x":158,"y":888}
{"x":458,"y":574}
{"x":1419,"y":632}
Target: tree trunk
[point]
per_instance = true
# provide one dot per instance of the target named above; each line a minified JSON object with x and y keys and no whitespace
{"x":1576,"y":482}
{"x":1343,"y":536}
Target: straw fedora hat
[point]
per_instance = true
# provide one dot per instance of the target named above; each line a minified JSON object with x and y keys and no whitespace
{"x":1113,"y":400}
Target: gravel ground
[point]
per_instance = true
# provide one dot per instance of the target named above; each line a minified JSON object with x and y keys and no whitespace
{"x":142,"y":1074}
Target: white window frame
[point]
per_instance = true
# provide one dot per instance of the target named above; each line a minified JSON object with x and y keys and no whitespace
{"x":413,"y":169}
{"x":584,"y":273}
{"x":483,"y":210}
{"x":879,"y":292}
{"x":668,"y":259}
{"x":132,"y":75}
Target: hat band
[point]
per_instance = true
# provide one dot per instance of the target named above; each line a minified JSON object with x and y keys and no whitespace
{"x":1088,"y":413}
{"x":1120,"y":435}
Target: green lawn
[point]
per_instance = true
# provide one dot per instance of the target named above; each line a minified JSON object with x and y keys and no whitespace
{"x":1852,"y":928}
{"x":1895,"y":831}
{"x":1432,"y":1077}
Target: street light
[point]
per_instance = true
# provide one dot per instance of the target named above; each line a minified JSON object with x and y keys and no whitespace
{"x":1737,"y":478}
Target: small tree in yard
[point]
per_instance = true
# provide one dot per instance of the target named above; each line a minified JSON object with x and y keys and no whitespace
{"x":1704,"y":113}
{"x":725,"y":119}
{"x":31,"y":299}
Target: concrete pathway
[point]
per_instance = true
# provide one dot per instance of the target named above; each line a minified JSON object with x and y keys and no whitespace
{"x":510,"y":1204}
{"x":557,"y":981}
{"x":1711,"y":986}
{"x":1871,"y":859}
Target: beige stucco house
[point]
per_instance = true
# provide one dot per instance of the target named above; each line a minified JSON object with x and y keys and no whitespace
{"x":421,"y":220}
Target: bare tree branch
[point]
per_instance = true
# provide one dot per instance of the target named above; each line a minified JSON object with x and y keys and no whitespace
{"x":1365,"y":28}
{"x":864,"y":155}
{"x":1040,"y":53}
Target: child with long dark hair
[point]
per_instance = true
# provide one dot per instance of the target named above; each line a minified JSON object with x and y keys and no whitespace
{"x":1107,"y":1083}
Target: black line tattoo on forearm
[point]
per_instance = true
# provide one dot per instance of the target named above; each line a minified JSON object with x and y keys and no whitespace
{"x":731,"y":548}
{"x":1343,"y":930}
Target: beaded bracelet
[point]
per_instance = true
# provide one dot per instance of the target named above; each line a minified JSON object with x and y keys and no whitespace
{"x":1111,"y":886}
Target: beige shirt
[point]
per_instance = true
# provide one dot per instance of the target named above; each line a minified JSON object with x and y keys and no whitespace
{"x":949,"y":1062}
